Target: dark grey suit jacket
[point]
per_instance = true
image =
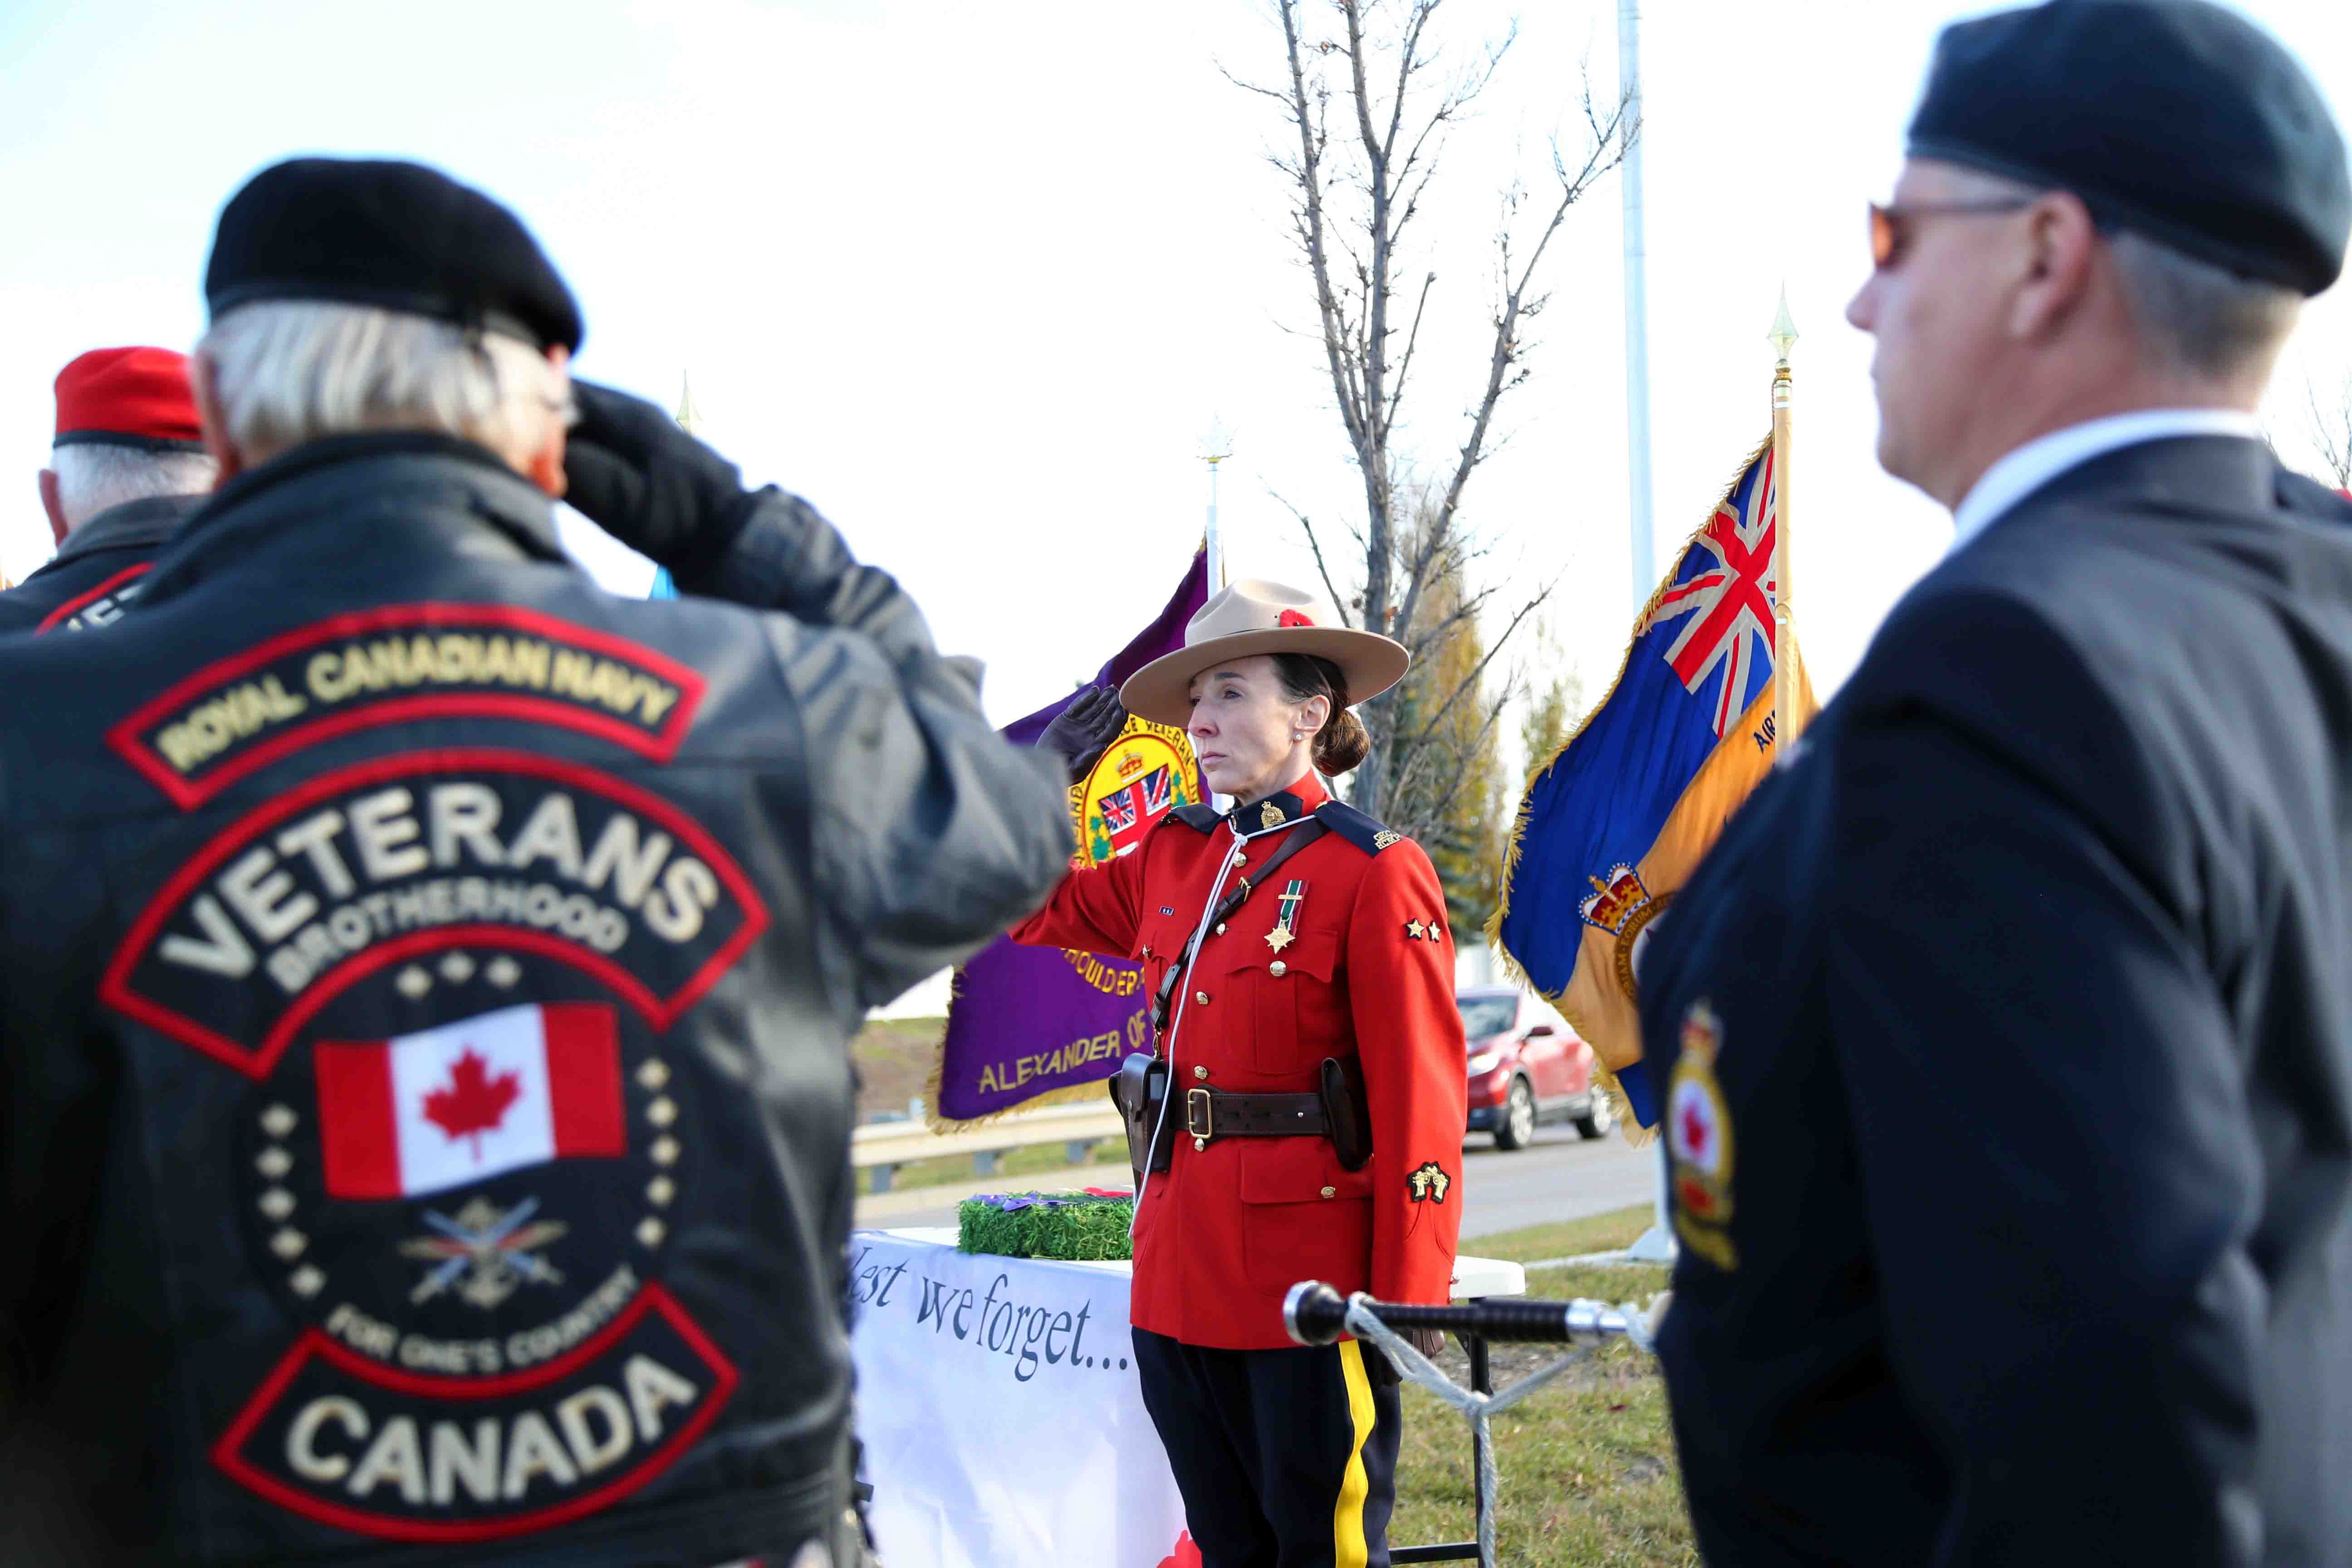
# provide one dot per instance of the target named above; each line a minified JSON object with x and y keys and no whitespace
{"x":2034,"y":976}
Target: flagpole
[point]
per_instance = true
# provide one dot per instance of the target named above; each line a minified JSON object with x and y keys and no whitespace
{"x":1655,"y":1245}
{"x":1786,"y":719}
{"x":1637,"y":310}
{"x":1215,"y":447}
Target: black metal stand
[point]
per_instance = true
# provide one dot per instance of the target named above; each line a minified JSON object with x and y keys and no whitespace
{"x":1481,"y":1382}
{"x":1316,"y":1315}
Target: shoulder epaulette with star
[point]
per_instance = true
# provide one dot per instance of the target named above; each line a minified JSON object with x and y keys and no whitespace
{"x":1199,"y":819}
{"x":1356,"y":828}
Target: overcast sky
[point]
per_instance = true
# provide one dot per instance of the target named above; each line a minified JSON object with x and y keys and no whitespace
{"x":975,"y":278}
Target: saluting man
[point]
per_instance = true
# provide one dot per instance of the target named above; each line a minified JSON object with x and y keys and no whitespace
{"x":127,"y":467}
{"x":2007,"y":1033}
{"x":1307,"y":970}
{"x":425,"y":978}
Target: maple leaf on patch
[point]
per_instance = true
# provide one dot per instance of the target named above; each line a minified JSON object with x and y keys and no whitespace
{"x":474,"y":1103}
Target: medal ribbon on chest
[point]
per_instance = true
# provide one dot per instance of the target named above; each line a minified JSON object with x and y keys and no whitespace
{"x":1285,"y":917}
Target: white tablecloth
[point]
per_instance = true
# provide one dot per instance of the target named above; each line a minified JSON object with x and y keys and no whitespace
{"x":1001,"y":1417}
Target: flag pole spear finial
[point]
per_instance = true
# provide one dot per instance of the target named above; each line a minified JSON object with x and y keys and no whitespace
{"x":688,"y":417}
{"x":1786,"y":720}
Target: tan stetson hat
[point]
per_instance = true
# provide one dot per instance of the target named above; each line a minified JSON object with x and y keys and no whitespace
{"x":1254,"y":617}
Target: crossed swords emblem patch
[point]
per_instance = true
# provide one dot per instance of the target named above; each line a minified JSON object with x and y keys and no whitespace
{"x":487,"y":1255}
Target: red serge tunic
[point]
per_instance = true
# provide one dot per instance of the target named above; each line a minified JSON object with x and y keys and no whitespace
{"x":1367,"y":971}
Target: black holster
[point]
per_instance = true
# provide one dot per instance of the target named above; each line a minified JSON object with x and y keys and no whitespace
{"x":1139,"y":1090}
{"x":1345,"y":1113}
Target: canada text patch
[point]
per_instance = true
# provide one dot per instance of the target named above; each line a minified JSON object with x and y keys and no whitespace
{"x":350,"y":1440}
{"x":408,"y":662}
{"x":369,"y":870}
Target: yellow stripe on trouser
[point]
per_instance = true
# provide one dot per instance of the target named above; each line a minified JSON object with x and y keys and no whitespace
{"x":1347,"y":1548}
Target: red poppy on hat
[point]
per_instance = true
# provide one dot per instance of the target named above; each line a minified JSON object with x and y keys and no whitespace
{"x":128,"y":398}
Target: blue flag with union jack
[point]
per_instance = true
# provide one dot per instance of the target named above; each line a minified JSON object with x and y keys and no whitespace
{"x":1613,"y":823}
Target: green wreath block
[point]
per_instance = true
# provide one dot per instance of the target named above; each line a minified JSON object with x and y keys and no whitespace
{"x":1076,"y":1227}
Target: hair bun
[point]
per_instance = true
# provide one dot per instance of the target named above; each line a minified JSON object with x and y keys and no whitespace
{"x":1341,"y":744}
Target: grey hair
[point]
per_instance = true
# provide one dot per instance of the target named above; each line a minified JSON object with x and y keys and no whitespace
{"x":2205,"y":319}
{"x":290,"y":371}
{"x":93,"y":476}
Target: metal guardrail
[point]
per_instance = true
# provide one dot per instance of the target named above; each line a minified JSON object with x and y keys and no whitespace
{"x":882,"y":1147}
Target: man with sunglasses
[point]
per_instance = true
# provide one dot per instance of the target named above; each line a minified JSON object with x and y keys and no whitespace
{"x":2007,"y":1033}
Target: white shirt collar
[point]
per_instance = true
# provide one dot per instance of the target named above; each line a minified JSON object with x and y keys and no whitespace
{"x":2043,"y":458}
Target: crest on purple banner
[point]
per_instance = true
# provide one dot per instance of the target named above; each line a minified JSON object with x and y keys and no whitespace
{"x":1027,"y":1022}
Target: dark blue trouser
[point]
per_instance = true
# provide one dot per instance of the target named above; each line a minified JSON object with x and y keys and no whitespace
{"x":1286,"y":1458}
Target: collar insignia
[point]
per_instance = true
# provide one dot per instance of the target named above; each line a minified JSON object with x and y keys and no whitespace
{"x":1261,"y":816}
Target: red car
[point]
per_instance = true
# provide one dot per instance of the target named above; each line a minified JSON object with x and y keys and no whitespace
{"x":1526,"y":1066}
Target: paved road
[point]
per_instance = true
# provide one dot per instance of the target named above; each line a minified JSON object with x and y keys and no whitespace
{"x":1559,"y":1176}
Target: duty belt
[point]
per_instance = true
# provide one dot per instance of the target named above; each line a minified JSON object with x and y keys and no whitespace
{"x":1210,"y":1114}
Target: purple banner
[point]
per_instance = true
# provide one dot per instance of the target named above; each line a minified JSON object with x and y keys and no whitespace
{"x":1026,"y":1021}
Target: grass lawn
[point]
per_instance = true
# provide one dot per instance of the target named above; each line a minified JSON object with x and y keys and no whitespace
{"x":1588,"y":1464}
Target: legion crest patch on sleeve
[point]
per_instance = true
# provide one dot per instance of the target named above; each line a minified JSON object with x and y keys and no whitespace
{"x":1699,"y":1142}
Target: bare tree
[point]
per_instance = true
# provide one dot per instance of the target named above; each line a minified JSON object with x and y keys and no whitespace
{"x":1447,"y":789}
{"x":1355,"y":193}
{"x":2331,"y":429}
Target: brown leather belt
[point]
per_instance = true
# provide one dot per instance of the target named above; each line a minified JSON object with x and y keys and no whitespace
{"x":1210,"y":1114}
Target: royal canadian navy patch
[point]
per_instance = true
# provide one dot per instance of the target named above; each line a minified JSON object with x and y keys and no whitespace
{"x":1699,"y":1142}
{"x":399,"y":664}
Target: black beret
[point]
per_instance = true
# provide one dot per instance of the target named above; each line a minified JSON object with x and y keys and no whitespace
{"x":398,"y":235}
{"x":2174,"y":118}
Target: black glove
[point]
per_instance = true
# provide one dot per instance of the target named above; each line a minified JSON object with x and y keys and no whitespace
{"x":634,"y":473}
{"x":1080,"y":731}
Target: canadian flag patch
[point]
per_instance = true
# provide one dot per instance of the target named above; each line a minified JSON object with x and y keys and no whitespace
{"x":460,"y":1102}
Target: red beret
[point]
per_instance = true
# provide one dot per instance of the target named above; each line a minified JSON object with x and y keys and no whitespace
{"x":128,"y":398}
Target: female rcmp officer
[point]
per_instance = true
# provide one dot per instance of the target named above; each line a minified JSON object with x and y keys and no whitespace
{"x":1340,"y":951}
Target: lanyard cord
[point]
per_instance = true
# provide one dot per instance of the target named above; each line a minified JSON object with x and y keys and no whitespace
{"x":1176,"y":1021}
